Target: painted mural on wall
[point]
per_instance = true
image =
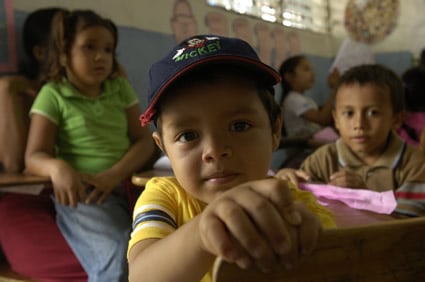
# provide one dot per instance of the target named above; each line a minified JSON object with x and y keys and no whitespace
{"x":371,"y":21}
{"x":183,"y":23}
{"x":273,"y":44}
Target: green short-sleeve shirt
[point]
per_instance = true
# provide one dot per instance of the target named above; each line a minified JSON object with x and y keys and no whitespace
{"x":92,"y":133}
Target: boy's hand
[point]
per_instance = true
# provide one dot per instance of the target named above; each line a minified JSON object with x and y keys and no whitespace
{"x":257,"y":223}
{"x":304,"y":236}
{"x":292,"y":175}
{"x":348,"y":179}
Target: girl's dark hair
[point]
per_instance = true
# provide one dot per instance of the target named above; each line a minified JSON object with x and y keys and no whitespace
{"x":35,"y":32}
{"x":213,"y":73}
{"x":414,"y":88}
{"x":288,"y":66}
{"x":65,"y":28}
{"x":414,"y":94}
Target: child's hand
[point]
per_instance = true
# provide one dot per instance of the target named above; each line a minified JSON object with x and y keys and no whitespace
{"x":102,"y":185}
{"x":257,"y":223}
{"x":333,"y":78}
{"x":348,"y":179}
{"x":304,"y":236}
{"x":67,"y":185}
{"x":292,"y":175}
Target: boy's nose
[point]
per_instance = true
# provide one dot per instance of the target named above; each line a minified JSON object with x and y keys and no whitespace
{"x":359,"y":121}
{"x":215,"y":150}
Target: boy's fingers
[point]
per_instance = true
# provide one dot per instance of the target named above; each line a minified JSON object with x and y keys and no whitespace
{"x":309,"y":231}
{"x":216,"y":239}
{"x":265,"y":227}
{"x":302,"y":174}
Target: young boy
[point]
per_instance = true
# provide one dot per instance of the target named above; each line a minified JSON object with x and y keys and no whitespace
{"x":369,"y":106}
{"x":217,"y":121}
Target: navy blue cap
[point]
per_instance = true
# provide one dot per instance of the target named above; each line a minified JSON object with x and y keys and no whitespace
{"x":201,"y":50}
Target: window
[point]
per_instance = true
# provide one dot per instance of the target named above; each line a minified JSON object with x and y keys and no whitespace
{"x":303,"y":14}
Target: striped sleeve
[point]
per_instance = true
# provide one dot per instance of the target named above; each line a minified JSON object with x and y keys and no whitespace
{"x":411,"y":199}
{"x":155,"y":217}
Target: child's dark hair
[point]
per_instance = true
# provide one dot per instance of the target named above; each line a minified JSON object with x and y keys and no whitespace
{"x":414,"y":94}
{"x":378,"y":75}
{"x":35,"y":32}
{"x":288,"y":66}
{"x":65,"y":28}
{"x":213,"y":73}
{"x":414,"y":89}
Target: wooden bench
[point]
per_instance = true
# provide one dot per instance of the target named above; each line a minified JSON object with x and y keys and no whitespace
{"x":391,"y":251}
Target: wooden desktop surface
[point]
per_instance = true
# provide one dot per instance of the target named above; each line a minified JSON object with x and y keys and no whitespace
{"x":344,"y":215}
{"x":7,"y":179}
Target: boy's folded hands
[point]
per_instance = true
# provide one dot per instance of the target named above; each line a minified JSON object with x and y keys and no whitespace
{"x":344,"y":178}
{"x":257,"y":223}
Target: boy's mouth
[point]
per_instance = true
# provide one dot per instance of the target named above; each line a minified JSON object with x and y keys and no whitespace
{"x":360,"y":138}
{"x":221,"y":178}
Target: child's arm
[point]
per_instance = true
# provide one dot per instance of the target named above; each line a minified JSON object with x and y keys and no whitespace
{"x":141,"y":153}
{"x":247,"y":225}
{"x":13,"y":121}
{"x":323,"y":116}
{"x":40,"y":160}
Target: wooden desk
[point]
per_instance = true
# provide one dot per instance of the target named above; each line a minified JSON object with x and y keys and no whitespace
{"x":348,"y":217}
{"x":391,"y":251}
{"x":141,"y":178}
{"x":23,"y":183}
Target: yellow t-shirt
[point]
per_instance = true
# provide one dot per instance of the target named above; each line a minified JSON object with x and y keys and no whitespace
{"x":164,"y":206}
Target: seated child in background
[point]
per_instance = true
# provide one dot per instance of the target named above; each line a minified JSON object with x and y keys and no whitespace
{"x":84,"y":134}
{"x":29,"y":236}
{"x":302,"y":116}
{"x":368,"y":108}
{"x":414,"y":93}
{"x":211,"y":100}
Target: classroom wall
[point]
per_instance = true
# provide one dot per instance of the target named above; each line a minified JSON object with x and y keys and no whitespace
{"x":146,"y":35}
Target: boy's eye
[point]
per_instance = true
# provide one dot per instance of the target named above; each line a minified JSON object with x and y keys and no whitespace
{"x":187,"y":136}
{"x":108,"y":50}
{"x":372,"y":112}
{"x":347,"y":113}
{"x":240,"y":126}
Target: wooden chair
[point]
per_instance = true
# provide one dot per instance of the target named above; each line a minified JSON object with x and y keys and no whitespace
{"x":391,"y":251}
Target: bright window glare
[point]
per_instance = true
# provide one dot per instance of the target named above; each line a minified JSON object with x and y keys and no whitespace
{"x":304,"y":14}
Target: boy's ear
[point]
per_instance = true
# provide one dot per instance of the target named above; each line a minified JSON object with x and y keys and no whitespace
{"x":398,"y":120}
{"x":277,"y":131}
{"x":158,"y":142}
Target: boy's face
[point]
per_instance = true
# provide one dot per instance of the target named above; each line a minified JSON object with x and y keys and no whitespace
{"x":364,"y":117}
{"x":216,"y":135}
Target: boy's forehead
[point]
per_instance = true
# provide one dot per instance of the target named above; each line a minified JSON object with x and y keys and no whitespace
{"x":352,"y":91}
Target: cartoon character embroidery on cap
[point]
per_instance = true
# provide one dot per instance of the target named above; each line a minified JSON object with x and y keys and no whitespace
{"x":199,"y":45}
